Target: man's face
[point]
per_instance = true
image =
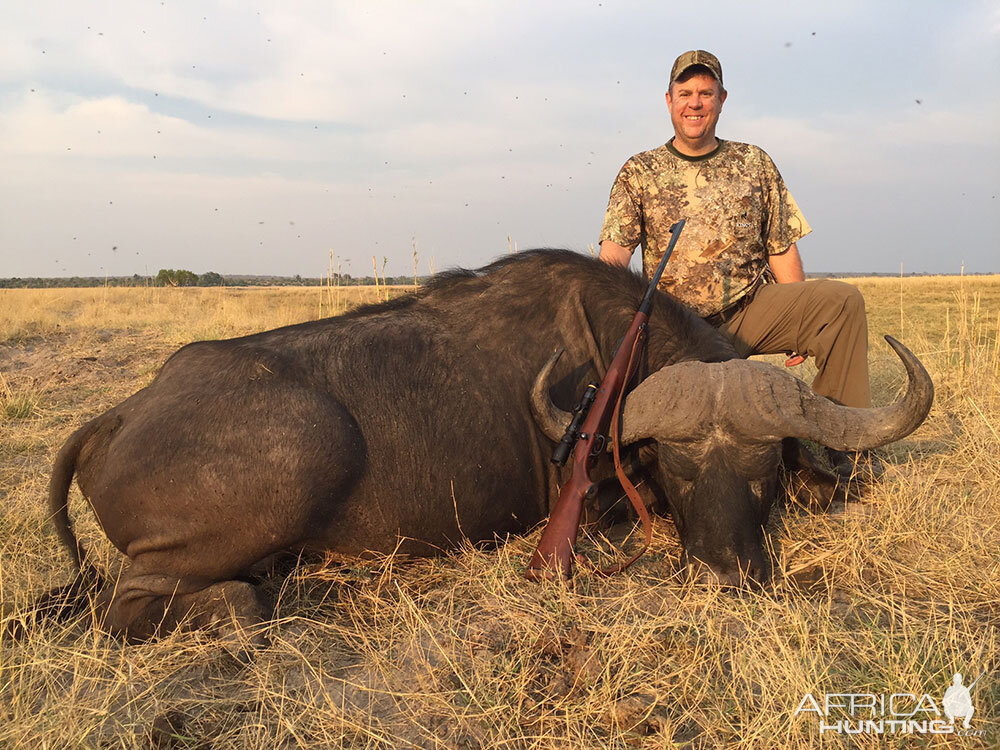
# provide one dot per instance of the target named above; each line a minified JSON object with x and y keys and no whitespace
{"x":694,"y":107}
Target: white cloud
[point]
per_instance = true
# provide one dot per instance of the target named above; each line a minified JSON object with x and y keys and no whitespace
{"x":310,"y":61}
{"x":524,"y":112}
{"x":857,"y":148}
{"x":112,"y":127}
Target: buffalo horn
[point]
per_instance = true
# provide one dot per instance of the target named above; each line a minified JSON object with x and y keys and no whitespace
{"x":787,"y":407}
{"x":760,"y":403}
{"x":550,"y":418}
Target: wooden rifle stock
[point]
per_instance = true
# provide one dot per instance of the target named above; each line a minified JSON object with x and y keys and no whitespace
{"x":554,"y":554}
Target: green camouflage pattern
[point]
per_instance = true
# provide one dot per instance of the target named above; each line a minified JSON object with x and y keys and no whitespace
{"x":738,"y":212}
{"x":696,"y":57}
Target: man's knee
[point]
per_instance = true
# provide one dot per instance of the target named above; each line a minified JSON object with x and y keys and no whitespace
{"x":839,"y":295}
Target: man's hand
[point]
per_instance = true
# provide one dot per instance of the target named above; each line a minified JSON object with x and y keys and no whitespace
{"x":614,"y":254}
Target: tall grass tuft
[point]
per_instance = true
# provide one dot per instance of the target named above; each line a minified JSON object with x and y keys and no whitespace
{"x":22,"y":404}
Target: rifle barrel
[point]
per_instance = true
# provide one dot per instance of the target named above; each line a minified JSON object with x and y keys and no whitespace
{"x":654,"y":281}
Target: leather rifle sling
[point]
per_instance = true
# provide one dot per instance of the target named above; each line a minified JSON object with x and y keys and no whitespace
{"x":630,"y":490}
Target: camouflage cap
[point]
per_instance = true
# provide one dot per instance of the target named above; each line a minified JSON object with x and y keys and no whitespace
{"x":696,"y":57}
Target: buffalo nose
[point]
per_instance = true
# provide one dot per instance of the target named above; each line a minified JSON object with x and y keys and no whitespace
{"x":747,"y":574}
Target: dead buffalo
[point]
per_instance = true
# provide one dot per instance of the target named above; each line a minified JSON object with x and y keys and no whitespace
{"x":410,"y":424}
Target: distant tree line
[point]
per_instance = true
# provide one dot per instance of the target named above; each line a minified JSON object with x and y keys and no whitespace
{"x":36,"y":282}
{"x":184,"y":277}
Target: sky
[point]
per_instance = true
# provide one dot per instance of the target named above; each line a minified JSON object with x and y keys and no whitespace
{"x":258,"y":138}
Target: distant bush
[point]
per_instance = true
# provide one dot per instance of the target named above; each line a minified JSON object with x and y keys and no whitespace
{"x":180,"y":277}
{"x":211,"y":278}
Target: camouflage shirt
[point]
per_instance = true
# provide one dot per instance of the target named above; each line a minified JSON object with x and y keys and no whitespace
{"x":738,"y":212}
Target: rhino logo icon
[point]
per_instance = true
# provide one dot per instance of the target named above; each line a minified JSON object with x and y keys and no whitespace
{"x":957,"y":700}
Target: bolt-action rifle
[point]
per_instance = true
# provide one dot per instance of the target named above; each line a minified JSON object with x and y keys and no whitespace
{"x":586,"y":438}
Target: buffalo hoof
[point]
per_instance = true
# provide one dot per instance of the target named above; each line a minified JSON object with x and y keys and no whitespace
{"x":59,"y":604}
{"x":863,"y":466}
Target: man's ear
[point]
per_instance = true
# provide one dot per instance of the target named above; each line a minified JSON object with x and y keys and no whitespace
{"x":669,"y":104}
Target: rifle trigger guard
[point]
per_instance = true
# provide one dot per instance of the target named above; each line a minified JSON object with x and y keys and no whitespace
{"x":599,"y":442}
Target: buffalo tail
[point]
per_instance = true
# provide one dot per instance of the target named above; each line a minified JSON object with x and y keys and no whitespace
{"x":59,"y":484}
{"x":66,"y":601}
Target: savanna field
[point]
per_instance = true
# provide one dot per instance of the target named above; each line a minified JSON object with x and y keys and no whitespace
{"x":890,"y":595}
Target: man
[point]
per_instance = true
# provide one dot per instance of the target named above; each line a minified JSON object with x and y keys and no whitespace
{"x":741,"y":233}
{"x":957,"y":702}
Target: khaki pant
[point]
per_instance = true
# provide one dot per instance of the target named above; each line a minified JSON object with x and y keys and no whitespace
{"x":823,"y":319}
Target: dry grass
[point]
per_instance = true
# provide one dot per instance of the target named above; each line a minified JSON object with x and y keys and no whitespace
{"x":179,"y":314}
{"x":890,"y":596}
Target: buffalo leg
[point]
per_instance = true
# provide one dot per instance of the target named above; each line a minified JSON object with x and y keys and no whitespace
{"x":805,"y":477}
{"x":143,"y":605}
